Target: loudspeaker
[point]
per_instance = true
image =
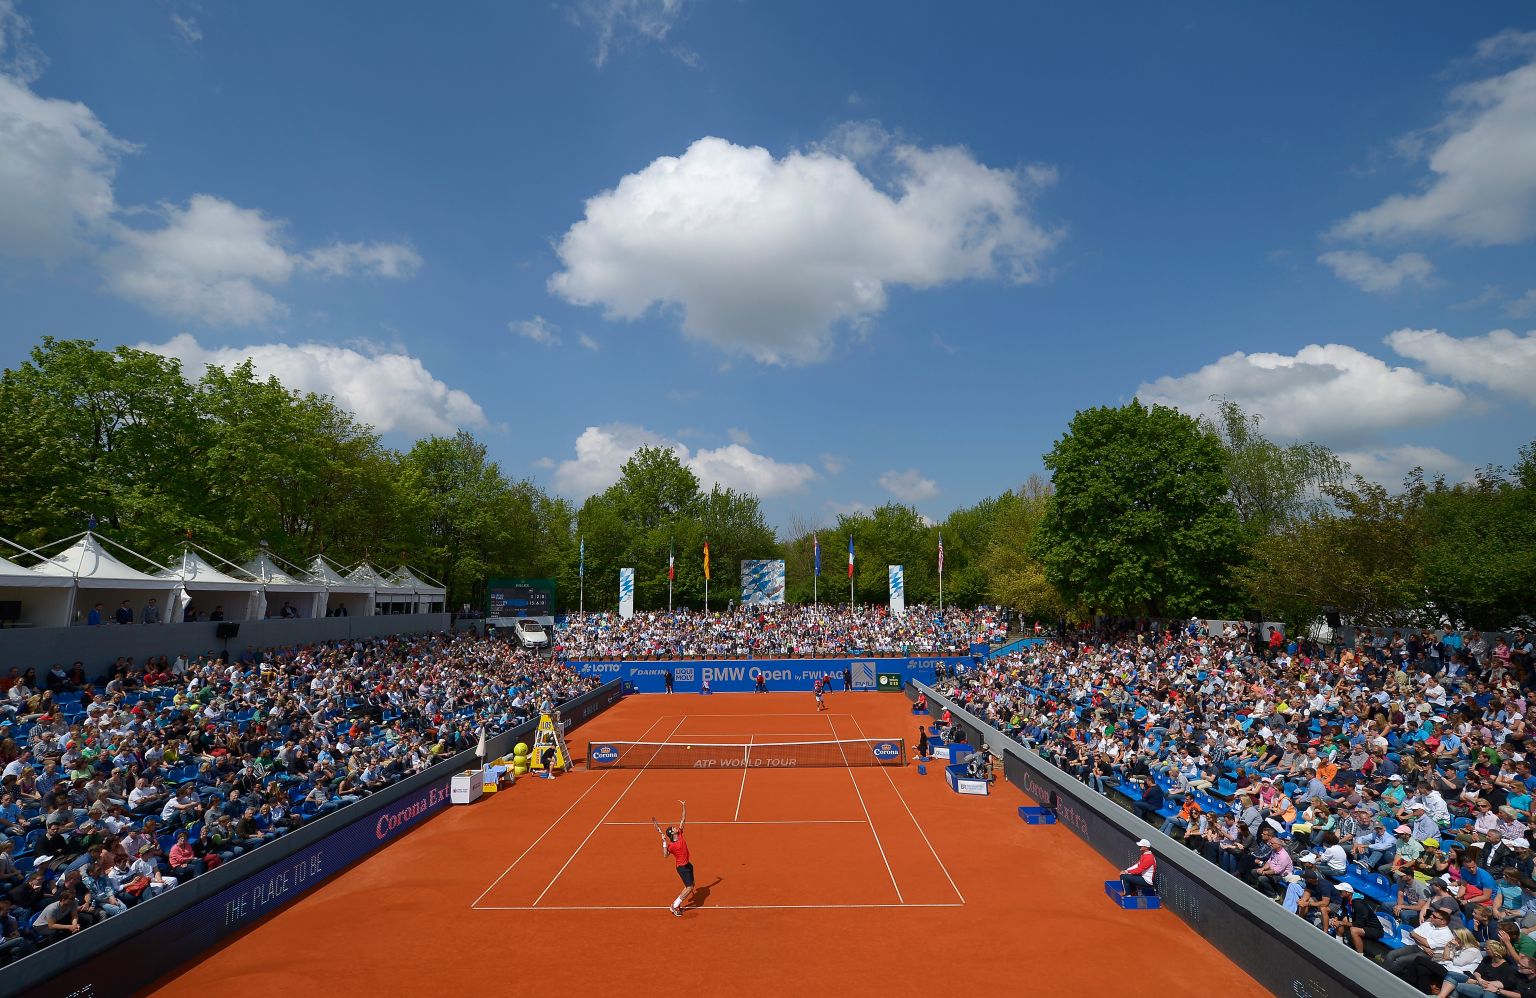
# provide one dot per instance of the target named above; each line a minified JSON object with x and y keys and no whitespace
{"x":1332,"y":616}
{"x":227,"y":629}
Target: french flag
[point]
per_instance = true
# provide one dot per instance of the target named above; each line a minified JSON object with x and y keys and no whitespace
{"x":850,"y":556}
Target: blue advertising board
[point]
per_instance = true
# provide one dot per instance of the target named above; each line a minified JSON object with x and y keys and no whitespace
{"x":779,"y":674}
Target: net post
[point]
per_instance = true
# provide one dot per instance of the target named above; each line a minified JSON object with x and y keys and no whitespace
{"x":586,"y":763}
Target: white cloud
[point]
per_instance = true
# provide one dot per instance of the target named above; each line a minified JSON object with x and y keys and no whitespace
{"x":215,"y":262}
{"x":620,"y":23}
{"x":388,"y":389}
{"x":538,"y":329}
{"x":1522,"y":306}
{"x":212,"y":260}
{"x":57,"y":164}
{"x":1389,"y":466}
{"x":845,"y":509}
{"x":1501,"y":360}
{"x":187,"y":28}
{"x":1370,"y":273}
{"x":1482,"y":164}
{"x":767,"y":257}
{"x":545,"y":463}
{"x":602,"y":450}
{"x":833,"y":464}
{"x":19,"y":57}
{"x":739,"y":436}
{"x":588,"y":343}
{"x":391,"y":260}
{"x":909,"y":485}
{"x":1323,"y":392}
{"x":208,"y":262}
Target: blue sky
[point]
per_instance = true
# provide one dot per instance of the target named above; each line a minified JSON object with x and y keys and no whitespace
{"x":836,"y":254}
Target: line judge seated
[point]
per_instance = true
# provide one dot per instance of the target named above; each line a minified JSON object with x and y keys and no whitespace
{"x":1137,"y":879}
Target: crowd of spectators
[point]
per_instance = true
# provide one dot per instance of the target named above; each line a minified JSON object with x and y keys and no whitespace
{"x":114,"y":792}
{"x":779,"y":630}
{"x":1381,"y":789}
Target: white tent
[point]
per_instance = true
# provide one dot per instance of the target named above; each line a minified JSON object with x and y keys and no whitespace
{"x":205,"y":590}
{"x":389,"y":596}
{"x":341,"y":593}
{"x":282,"y":587}
{"x":100,"y":578}
{"x":33,"y":600}
{"x":430,"y":597}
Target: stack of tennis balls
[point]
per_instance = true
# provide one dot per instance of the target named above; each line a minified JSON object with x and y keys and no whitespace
{"x":520,"y":759}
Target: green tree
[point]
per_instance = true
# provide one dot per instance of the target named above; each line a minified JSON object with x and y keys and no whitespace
{"x":1141,"y":521}
{"x":92,"y":432}
{"x":1478,"y":546}
{"x":1359,"y":557}
{"x":1272,"y":487}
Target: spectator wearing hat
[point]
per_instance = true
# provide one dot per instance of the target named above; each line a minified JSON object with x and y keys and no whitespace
{"x":1421,"y":825}
{"x":1357,"y":923}
{"x":1376,"y":848}
{"x":1138,"y":878}
{"x":1317,"y":894}
{"x":1406,"y":851}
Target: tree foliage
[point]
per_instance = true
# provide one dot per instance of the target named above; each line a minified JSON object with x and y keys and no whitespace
{"x":1141,"y":520}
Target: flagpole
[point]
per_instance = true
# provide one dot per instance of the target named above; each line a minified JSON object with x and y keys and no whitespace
{"x":581,"y":576}
{"x":850,"y":572}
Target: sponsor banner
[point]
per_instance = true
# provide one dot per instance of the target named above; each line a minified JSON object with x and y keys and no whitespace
{"x":898,"y":579}
{"x":762,"y":582}
{"x":796,"y":674}
{"x":603,"y":755}
{"x":626,"y":593}
{"x":887,"y":750}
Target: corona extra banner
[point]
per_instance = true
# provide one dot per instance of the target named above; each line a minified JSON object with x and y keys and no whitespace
{"x":626,"y":593}
{"x":898,"y":579}
{"x":762,"y":582}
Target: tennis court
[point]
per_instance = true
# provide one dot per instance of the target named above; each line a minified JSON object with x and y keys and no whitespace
{"x":869,"y":879}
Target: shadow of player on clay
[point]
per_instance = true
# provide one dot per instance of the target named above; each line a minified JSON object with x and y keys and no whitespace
{"x":701,"y":895}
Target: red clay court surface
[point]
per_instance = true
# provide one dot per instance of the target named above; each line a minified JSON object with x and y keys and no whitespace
{"x":861,"y":882}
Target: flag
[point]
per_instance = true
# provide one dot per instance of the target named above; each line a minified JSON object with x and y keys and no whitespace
{"x":581,"y":566}
{"x":850,"y":556}
{"x":941,"y":552}
{"x":706,"y":561}
{"x":480,"y":749}
{"x":90,"y":523}
{"x":816,"y":540}
{"x":671,"y":563}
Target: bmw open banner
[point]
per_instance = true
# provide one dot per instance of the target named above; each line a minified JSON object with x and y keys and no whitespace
{"x":626,"y":593}
{"x":762,"y":582}
{"x":898,"y":588}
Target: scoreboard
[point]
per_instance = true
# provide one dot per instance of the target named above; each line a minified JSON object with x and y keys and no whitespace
{"x":520,"y":597}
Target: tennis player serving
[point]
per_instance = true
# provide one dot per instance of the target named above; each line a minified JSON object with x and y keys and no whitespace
{"x":672,"y":844}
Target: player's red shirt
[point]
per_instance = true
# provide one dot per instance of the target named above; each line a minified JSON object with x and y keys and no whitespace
{"x":679,"y":850}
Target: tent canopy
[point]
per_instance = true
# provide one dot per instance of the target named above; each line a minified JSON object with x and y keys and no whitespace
{"x":323,"y":572}
{"x":194,"y":572}
{"x":33,"y":599}
{"x":91,"y":565}
{"x":407,"y":579}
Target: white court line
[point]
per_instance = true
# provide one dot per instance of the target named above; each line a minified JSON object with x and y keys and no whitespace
{"x":744,"y":769}
{"x":920,"y":831}
{"x":604,"y":817}
{"x":552,"y":825}
{"x":716,"y":907}
{"x":786,"y":821}
{"x":872,"y":829}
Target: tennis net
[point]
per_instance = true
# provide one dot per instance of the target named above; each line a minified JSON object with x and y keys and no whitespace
{"x":746,"y":755}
